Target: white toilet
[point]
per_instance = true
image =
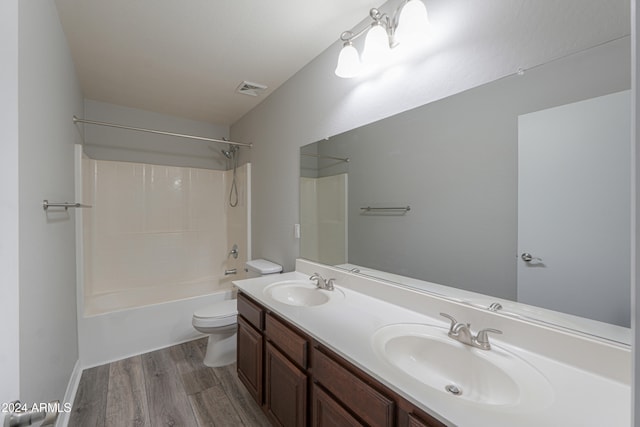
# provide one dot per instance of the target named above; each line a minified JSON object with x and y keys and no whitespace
{"x":219,"y":320}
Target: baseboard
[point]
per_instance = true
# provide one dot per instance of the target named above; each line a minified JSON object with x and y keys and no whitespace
{"x":69,"y":395}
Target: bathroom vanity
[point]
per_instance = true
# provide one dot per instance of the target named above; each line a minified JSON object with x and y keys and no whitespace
{"x":303,"y":379}
{"x":372,"y":353}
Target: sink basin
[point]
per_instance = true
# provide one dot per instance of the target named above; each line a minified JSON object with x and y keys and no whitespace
{"x":302,"y":293}
{"x":493,"y":377}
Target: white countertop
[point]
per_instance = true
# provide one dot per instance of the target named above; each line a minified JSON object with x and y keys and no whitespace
{"x":346,"y":325}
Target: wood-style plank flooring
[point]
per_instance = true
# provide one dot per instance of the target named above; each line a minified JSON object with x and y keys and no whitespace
{"x":168,"y":387}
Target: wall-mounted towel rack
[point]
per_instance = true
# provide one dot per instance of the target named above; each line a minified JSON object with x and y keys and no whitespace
{"x":66,"y":205}
{"x":342,"y":159}
{"x":400,"y":208}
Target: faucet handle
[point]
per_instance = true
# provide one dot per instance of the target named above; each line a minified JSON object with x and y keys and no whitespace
{"x":317,"y":279}
{"x":329,"y":284}
{"x":452,"y":319}
{"x":483,"y":337}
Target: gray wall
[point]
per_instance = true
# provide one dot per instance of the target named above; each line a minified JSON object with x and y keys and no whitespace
{"x":49,"y":96}
{"x":497,"y":38}
{"x":9,"y":284}
{"x":455,"y":162}
{"x":108,"y":143}
{"x":494,"y":39}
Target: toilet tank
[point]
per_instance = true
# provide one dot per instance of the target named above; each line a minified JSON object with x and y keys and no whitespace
{"x":261,"y":267}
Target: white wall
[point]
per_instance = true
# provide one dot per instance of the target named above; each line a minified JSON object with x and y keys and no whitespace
{"x":474,"y":43}
{"x":9,"y":284}
{"x":49,"y":96}
{"x":108,"y":143}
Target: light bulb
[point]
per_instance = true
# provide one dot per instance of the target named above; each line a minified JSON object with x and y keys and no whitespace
{"x":413,"y":24}
{"x":348,"y":62}
{"x":376,"y":46}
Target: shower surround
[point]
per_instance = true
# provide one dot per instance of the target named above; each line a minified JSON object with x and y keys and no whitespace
{"x":155,"y":247}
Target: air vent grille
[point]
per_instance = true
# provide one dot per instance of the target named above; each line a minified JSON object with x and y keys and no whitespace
{"x":251,"y":89}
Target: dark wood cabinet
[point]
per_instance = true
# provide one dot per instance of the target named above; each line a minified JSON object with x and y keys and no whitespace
{"x":411,"y":416}
{"x":365,"y":401}
{"x":416,"y":422}
{"x":285,"y":390}
{"x":249,"y":359}
{"x":300,"y":382}
{"x":326,"y":412}
{"x":291,"y":343}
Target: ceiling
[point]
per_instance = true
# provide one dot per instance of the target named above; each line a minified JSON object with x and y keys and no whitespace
{"x":186,"y":58}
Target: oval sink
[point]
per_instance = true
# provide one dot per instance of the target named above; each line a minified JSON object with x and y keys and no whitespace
{"x":302,"y":293}
{"x":487,"y":377}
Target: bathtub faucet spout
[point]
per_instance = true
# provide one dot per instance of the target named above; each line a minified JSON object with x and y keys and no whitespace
{"x":232,"y":271}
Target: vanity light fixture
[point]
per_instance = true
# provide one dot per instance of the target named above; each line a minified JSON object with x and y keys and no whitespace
{"x":409,"y":22}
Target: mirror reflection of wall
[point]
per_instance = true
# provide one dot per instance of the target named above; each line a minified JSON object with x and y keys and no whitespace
{"x":323,"y":208}
{"x":574,"y":182}
{"x":454,"y":162}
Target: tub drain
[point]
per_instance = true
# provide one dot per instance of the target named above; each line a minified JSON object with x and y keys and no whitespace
{"x":453,"y":389}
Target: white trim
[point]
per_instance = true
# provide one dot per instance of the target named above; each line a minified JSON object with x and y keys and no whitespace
{"x":248,"y":184}
{"x":635,"y":238}
{"x":70,"y":394}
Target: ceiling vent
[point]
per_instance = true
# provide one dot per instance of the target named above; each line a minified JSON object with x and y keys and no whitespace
{"x":252,"y":89}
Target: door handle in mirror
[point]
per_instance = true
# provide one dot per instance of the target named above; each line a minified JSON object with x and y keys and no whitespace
{"x":527,"y":257}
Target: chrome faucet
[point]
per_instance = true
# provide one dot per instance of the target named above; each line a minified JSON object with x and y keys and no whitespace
{"x":321,"y":283}
{"x":233,"y":252}
{"x":462,"y":332}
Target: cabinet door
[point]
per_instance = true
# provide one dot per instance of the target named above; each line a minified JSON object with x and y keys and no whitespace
{"x":373,"y":407}
{"x":286,"y":390}
{"x":326,"y":412}
{"x":416,"y":422}
{"x":410,"y":416}
{"x":250,"y":359}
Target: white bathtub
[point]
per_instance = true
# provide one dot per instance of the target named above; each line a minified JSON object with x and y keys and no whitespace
{"x":124,"y":324}
{"x":127,"y":304}
{"x":141,"y":297}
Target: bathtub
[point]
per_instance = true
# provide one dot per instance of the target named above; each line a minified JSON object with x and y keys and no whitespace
{"x":124,"y":324}
{"x":179,"y":225}
{"x":151,"y":295}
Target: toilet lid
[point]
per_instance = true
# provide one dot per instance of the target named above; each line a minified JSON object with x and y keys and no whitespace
{"x":222,"y":309}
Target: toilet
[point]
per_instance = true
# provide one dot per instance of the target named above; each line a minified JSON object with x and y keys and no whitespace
{"x":219,"y":320}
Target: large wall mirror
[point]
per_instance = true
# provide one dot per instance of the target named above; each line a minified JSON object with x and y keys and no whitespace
{"x":516,"y":193}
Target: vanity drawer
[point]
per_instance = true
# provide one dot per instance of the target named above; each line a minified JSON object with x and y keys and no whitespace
{"x":410,"y":416}
{"x":327,"y":412}
{"x":287,"y":340}
{"x":374,"y":408}
{"x":253,"y":313}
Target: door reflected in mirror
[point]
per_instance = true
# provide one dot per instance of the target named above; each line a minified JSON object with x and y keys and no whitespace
{"x":455,"y":163}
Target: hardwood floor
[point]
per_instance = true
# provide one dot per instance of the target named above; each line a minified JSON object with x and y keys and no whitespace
{"x":168,"y":387}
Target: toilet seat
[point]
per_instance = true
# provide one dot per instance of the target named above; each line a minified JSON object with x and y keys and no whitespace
{"x":223,"y":313}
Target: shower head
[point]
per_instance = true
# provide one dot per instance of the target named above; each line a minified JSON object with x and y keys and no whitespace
{"x":231,"y":152}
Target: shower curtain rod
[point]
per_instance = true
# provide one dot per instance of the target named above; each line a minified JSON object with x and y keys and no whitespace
{"x":159,"y":132}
